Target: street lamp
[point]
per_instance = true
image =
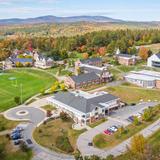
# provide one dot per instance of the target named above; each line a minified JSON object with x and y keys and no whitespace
{"x":21,"y":92}
{"x":21,"y":87}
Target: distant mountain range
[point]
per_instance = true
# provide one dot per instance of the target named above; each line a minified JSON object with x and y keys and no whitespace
{"x":54,"y":19}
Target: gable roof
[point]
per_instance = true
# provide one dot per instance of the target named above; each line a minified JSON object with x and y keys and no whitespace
{"x":83,"y":104}
{"x":89,"y":69}
{"x":22,"y":60}
{"x":91,"y":60}
{"x":85,"y":77}
{"x":125,"y":55}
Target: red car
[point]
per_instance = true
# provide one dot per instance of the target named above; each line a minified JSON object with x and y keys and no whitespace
{"x":107,"y":132}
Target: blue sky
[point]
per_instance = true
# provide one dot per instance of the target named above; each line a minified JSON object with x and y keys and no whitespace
{"x":139,"y":10}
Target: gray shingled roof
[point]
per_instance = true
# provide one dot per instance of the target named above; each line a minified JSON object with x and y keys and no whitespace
{"x":85,"y":77}
{"x":125,"y":55}
{"x":91,"y":60}
{"x":88,"y":69}
{"x":82,"y":104}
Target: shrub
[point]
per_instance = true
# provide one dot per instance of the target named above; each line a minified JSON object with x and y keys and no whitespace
{"x":17,"y":100}
{"x":64,"y":116}
{"x":49,"y":113}
{"x":62,"y":142}
{"x":110,"y":157}
{"x":2,"y":151}
{"x":148,"y":114}
{"x":24,"y":147}
{"x":2,"y":127}
{"x":136,"y":121}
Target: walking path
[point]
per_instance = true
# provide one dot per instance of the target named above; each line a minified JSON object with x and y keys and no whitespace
{"x":3,"y":133}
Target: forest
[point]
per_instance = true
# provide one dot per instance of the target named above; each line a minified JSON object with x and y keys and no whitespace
{"x":94,"y":43}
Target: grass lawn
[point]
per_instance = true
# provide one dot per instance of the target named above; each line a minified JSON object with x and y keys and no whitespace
{"x":33,"y":81}
{"x":48,"y":107}
{"x":97,"y":123}
{"x":55,"y":70}
{"x":133,"y":94}
{"x":12,"y":153}
{"x":108,"y":141}
{"x":48,"y":134}
{"x":7,"y":124}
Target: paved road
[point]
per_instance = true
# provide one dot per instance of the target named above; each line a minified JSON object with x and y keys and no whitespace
{"x":118,"y":118}
{"x":35,"y":117}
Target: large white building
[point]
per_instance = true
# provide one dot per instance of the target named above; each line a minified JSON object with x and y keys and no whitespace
{"x":42,"y":61}
{"x":84,"y":107}
{"x":144,"y":78}
{"x":154,"y":60}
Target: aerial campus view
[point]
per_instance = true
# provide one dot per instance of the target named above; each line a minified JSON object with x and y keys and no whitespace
{"x":79,"y":80}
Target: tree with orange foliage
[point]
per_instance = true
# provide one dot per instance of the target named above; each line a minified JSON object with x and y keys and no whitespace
{"x":85,"y":55}
{"x":144,"y":53}
{"x":102,"y":51}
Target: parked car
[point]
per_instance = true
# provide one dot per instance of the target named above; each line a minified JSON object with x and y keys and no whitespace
{"x":131,"y":119}
{"x":15,"y":132}
{"x":17,"y":142}
{"x":90,"y":144}
{"x":138,"y":115}
{"x":16,"y":137}
{"x":18,"y":129}
{"x":113,"y":128}
{"x":107,"y":132}
{"x":29,"y":143}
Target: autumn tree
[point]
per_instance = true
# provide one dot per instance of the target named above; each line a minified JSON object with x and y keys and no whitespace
{"x":62,"y":86}
{"x":85,"y":55}
{"x":144,"y":53}
{"x":138,"y":144}
{"x":102,"y":51}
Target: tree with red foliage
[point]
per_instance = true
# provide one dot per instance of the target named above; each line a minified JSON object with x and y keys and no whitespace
{"x":102,"y":51}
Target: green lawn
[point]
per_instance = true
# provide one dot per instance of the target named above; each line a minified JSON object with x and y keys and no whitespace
{"x":133,"y":94}
{"x":33,"y":81}
{"x":48,"y":107}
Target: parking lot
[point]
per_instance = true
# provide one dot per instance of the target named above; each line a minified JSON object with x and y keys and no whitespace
{"x":125,"y":112}
{"x":117,"y":118}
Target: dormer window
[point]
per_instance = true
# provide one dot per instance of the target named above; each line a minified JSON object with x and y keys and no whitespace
{"x":96,"y":108}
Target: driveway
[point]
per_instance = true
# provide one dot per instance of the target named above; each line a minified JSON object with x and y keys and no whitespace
{"x":34,"y":117}
{"x":117,"y":118}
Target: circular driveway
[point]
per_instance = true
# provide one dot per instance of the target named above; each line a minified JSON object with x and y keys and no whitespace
{"x":34,"y":115}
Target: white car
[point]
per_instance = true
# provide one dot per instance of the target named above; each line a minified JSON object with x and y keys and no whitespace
{"x":138,"y":115}
{"x":113,"y":128}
